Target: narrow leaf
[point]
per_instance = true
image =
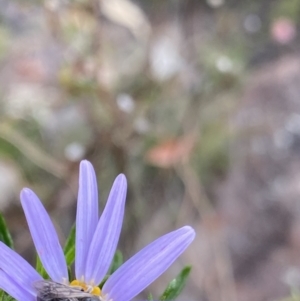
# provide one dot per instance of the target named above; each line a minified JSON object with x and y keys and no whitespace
{"x":103,"y":281}
{"x":150,"y":297}
{"x":5,"y":236}
{"x":176,"y":286}
{"x":40,"y":269}
{"x":117,"y":262}
{"x":5,"y":297}
{"x":69,"y":249}
{"x":8,"y":298}
{"x":2,"y":293}
{"x":70,"y":273}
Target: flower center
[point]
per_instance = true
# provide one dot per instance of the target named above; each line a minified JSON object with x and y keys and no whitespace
{"x":94,"y":290}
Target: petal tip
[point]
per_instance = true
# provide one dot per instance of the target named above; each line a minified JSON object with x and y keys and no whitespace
{"x":121,"y":177}
{"x":26,"y":192}
{"x":189,"y":231}
{"x":121,"y":181}
{"x":85,"y":164}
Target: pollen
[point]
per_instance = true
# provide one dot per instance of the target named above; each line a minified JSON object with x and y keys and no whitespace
{"x":94,"y":290}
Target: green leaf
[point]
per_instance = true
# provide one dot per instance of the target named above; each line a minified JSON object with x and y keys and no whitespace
{"x":176,"y":286}
{"x":150,"y":297}
{"x":117,"y":262}
{"x":69,"y":249}
{"x":5,"y":297}
{"x":8,"y":298}
{"x":4,"y":233}
{"x":103,"y":281}
{"x":40,"y":269}
{"x":2,"y":294}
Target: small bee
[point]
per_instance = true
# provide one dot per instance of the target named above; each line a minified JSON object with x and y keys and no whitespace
{"x":48,"y":290}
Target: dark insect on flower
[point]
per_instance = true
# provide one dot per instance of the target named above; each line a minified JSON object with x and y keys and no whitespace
{"x":48,"y":290}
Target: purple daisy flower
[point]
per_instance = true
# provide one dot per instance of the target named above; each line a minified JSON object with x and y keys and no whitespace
{"x":96,"y":243}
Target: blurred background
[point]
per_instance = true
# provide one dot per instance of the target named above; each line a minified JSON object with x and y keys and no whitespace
{"x":197,"y":102}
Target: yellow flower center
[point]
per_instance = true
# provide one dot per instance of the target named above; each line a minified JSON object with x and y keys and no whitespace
{"x":94,"y":290}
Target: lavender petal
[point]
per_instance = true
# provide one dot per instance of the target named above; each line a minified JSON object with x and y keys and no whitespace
{"x":147,"y":265}
{"x":44,"y":236}
{"x":87,"y":215}
{"x":9,"y":284}
{"x":107,"y":234}
{"x":21,"y":271}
